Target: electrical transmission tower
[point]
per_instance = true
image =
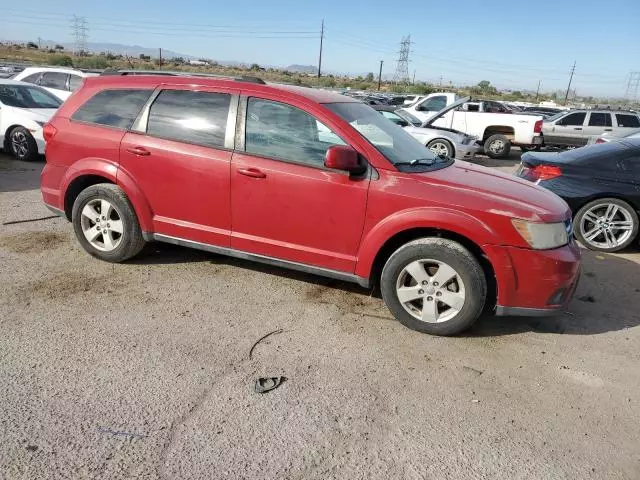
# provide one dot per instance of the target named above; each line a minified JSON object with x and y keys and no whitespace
{"x":633,"y":86}
{"x":79,"y":31}
{"x":402,"y":69}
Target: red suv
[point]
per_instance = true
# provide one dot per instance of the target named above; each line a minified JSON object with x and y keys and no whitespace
{"x":309,"y":180}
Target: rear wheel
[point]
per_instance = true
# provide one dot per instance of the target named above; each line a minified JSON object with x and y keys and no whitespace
{"x":441,"y":147}
{"x":497,"y":146}
{"x":606,"y":225}
{"x":105,"y":223}
{"x":434,"y":285}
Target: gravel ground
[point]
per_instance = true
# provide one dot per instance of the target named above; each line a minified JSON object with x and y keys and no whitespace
{"x":142,"y":370}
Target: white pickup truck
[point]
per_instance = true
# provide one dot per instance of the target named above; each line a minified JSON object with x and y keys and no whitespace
{"x":496,"y":130}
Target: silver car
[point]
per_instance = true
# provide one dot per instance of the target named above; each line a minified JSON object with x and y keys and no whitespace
{"x":440,"y":140}
{"x":575,"y":127}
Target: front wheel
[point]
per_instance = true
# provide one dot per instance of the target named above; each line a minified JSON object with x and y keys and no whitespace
{"x":440,"y":147}
{"x":606,"y":225}
{"x":497,"y":146}
{"x":22,"y":144}
{"x":434,"y":286}
{"x":106,"y":224}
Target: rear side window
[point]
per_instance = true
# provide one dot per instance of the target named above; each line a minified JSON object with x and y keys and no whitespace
{"x":191,"y":117}
{"x":573,"y":119}
{"x":55,"y":80}
{"x":113,"y":108}
{"x":74,"y":82}
{"x":630,"y":121}
{"x":600,"y":120}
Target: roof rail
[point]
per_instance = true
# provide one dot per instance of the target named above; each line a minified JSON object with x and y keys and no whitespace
{"x":241,"y":78}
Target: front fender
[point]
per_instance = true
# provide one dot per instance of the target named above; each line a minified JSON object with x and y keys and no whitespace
{"x":110,"y":171}
{"x":423,"y":217}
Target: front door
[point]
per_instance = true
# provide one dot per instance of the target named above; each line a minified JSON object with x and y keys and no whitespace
{"x":180,"y":160}
{"x":566,"y":130}
{"x":285,"y":203}
{"x":597,"y":124}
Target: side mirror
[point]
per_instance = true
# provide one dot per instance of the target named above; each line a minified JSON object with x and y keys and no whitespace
{"x":342,"y":157}
{"x":402,"y":123}
{"x":419,"y":108}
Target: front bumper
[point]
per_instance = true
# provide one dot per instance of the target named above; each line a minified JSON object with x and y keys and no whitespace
{"x":466,"y":152}
{"x":534,"y":282}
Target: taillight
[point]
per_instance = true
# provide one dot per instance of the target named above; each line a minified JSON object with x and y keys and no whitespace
{"x":601,"y":140}
{"x":537,"y":128}
{"x":48,"y":132}
{"x":546,"y":172}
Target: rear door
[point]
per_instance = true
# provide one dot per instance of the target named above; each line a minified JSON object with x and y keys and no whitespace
{"x":56,"y":83}
{"x":597,"y":124}
{"x":179,"y":153}
{"x":567,"y":130}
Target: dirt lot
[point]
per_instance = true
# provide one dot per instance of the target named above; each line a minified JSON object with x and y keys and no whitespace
{"x":142,"y":370}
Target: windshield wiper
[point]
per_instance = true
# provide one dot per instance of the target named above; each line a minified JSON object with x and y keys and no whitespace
{"x":418,"y":161}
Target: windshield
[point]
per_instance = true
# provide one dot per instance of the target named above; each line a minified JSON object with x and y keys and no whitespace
{"x":24,"y":96}
{"x":415,"y":121}
{"x":389,"y":139}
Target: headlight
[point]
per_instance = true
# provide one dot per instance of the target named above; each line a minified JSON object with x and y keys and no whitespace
{"x":542,"y":236}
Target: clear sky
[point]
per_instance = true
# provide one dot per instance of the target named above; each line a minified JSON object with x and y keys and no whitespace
{"x":512,"y":43}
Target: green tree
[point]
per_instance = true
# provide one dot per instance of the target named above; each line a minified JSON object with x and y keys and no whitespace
{"x":484,"y":85}
{"x":369,"y":77}
{"x":59,"y":47}
{"x":254,"y":67}
{"x":61,"y":60}
{"x":97,"y":62}
{"x":32,"y":45}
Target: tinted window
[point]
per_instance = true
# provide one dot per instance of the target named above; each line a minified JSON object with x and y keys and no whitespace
{"x":33,"y":78}
{"x":630,"y":121}
{"x":434,"y":104}
{"x":54,"y":80}
{"x":600,"y":120}
{"x":573,"y":119}
{"x":114,"y":108}
{"x":281,"y":131}
{"x":190,"y":116}
{"x":74,"y":82}
{"x":27,"y":96}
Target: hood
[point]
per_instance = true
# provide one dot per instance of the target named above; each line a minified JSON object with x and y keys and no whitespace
{"x":499,"y":193}
{"x":36,"y":114}
{"x":429,"y":132}
{"x":446,"y":109}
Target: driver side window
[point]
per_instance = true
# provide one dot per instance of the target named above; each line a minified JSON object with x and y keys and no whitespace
{"x":281,"y":131}
{"x":434,"y":104}
{"x":574,"y":119}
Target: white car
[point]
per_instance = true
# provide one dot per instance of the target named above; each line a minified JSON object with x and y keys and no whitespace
{"x":62,"y":82}
{"x":24,"y":109}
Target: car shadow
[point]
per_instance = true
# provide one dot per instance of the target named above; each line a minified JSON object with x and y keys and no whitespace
{"x":16,"y":175}
{"x":605,"y":301}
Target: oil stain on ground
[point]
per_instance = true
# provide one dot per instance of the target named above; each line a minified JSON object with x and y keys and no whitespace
{"x":32,"y":241}
{"x":61,"y":286}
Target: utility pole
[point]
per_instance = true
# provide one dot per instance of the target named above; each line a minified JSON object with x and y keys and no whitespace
{"x":320,"y":56}
{"x":414,"y":78}
{"x":440,"y":82}
{"x":160,"y":58}
{"x":566,"y":95}
{"x":402,"y":69}
{"x":538,"y":90}
{"x":39,"y":43}
{"x":380,"y":74}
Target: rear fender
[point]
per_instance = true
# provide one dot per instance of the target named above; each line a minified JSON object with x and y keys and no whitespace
{"x":111,"y":172}
{"x":434,"y":218}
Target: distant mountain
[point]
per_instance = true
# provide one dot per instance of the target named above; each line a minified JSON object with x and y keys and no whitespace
{"x":302,"y":69}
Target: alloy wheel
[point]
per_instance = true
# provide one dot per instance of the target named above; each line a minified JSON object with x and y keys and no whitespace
{"x":497,"y":147}
{"x":439,"y":148}
{"x":606,"y":225}
{"x":19,"y":144}
{"x":430,"y":290}
{"x":102,"y":225}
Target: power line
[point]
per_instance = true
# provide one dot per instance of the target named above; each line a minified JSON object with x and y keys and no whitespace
{"x":402,"y":68}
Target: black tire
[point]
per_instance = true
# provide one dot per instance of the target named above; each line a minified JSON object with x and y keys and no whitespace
{"x":22,"y":145}
{"x":446,"y":144}
{"x":130,"y":242}
{"x":530,"y":148}
{"x":454,"y":255}
{"x":497,"y":146}
{"x":579,"y":217}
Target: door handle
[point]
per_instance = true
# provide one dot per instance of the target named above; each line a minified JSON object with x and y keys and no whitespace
{"x":608,"y":129}
{"x":140,"y":151}
{"x":578,"y":128}
{"x":252,"y":172}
